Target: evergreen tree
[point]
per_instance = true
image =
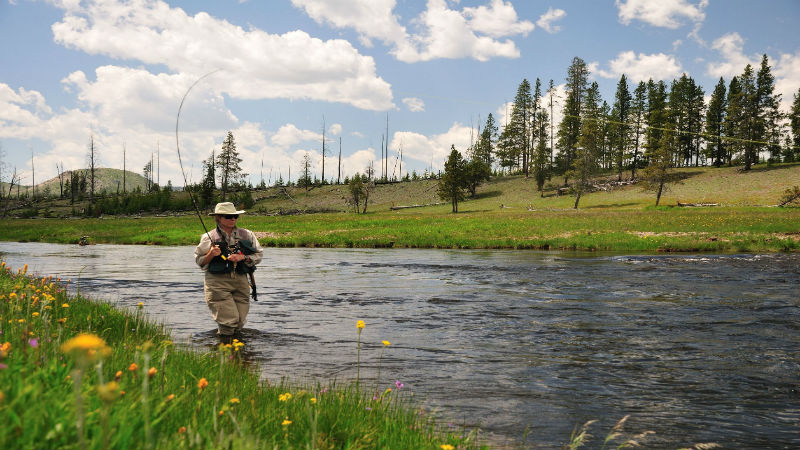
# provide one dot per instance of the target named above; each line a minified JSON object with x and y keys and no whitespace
{"x":715,"y":120}
{"x":518,"y":129}
{"x":620,"y":127}
{"x":586,"y":163}
{"x":453,"y":181}
{"x":750,"y":123}
{"x":770,"y":118}
{"x":542,"y":152}
{"x":638,"y":114}
{"x":656,"y":116}
{"x":305,"y":172}
{"x":484,"y":149}
{"x":657,"y":175}
{"x":569,"y":129}
{"x":208,"y":183}
{"x":733,"y":116}
{"x":793,"y":154}
{"x":228,"y":162}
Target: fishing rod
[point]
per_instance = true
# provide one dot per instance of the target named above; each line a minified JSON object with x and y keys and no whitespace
{"x":178,"y":147}
{"x":253,"y":291}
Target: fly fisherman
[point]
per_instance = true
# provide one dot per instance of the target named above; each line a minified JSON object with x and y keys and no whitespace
{"x":227,"y":255}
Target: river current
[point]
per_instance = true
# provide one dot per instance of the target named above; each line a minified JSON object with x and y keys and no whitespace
{"x":696,"y":348}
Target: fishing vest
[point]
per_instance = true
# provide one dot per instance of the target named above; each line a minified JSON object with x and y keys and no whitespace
{"x":223,"y":265}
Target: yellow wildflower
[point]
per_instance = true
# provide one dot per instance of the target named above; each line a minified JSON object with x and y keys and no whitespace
{"x":108,"y":392}
{"x":386,"y":343}
{"x":286,"y":422}
{"x":446,"y":447}
{"x":170,"y":397}
{"x":313,"y":400}
{"x":360,"y":324}
{"x":152,"y":372}
{"x":234,"y":401}
{"x":118,"y":375}
{"x":4,"y":349}
{"x":285,"y":397}
{"x":202,"y":384}
{"x":35,"y":314}
{"x":140,"y":304}
{"x":133,"y":367}
{"x":86,"y":345}
{"x":65,"y":305}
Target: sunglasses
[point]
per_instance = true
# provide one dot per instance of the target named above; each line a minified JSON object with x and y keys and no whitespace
{"x":230,"y":216}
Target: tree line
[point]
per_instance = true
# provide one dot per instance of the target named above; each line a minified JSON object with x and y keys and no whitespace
{"x":645,"y":131}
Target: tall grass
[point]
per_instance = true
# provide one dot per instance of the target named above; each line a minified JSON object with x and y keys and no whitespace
{"x":77,"y":373}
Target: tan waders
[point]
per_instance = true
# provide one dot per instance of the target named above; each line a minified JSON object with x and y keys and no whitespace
{"x":228,"y":298}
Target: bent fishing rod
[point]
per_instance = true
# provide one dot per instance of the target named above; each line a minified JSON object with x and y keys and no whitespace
{"x":253,"y":292}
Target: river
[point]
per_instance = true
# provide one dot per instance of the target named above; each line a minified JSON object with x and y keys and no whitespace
{"x":697,"y":348}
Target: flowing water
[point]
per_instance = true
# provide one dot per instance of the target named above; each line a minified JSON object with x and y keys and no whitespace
{"x":697,"y":348}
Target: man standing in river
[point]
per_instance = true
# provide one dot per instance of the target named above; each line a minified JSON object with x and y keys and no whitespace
{"x":227,"y":255}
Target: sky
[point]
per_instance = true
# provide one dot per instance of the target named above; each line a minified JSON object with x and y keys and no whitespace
{"x":279,"y":73}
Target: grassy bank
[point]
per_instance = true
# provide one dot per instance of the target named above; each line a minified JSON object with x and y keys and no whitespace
{"x":78,"y":374}
{"x":507,"y":212}
{"x":732,"y":229}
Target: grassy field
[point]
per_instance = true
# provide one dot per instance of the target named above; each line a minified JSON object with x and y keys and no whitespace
{"x":80,"y":374}
{"x":507,"y":212}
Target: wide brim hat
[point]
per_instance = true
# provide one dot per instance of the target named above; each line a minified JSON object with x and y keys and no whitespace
{"x":225,"y":208}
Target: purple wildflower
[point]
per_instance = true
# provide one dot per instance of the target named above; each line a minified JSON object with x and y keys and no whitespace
{"x":399,"y":384}
{"x":3,"y":366}
{"x":33,"y":342}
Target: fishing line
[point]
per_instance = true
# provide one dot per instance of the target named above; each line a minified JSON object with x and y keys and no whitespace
{"x":178,"y":147}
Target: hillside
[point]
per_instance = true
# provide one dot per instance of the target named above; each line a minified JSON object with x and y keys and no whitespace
{"x":727,"y":186}
{"x":105,"y":179}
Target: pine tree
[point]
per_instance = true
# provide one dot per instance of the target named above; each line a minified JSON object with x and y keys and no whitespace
{"x":793,"y":154}
{"x":770,"y":118}
{"x":715,"y":119}
{"x":638,"y":114}
{"x":485,"y":146}
{"x":518,"y":129}
{"x":228,"y":162}
{"x":586,"y":161}
{"x":208,"y":183}
{"x":453,"y":183}
{"x":620,"y":128}
{"x":733,"y":116}
{"x":656,"y":175}
{"x":656,"y":117}
{"x":569,"y":129}
{"x":750,"y":122}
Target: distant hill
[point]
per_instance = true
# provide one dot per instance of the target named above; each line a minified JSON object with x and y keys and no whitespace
{"x":104,"y":179}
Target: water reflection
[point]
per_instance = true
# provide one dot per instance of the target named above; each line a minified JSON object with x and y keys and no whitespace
{"x":695,"y":348}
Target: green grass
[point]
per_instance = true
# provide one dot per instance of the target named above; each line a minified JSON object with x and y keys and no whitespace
{"x":146,"y":393}
{"x":508,"y":212}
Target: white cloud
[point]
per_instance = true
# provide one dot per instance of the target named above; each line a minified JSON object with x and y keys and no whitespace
{"x":545,"y":22}
{"x":335,"y":129}
{"x":661,"y":13}
{"x":289,"y":135}
{"x":255,"y":64}
{"x":433,"y":150}
{"x":731,"y":47}
{"x":442,"y":32}
{"x":640,"y":67}
{"x":787,"y":78}
{"x":414,"y":104}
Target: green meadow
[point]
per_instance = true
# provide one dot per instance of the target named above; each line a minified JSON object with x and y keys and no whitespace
{"x":730,"y":211}
{"x":80,"y":374}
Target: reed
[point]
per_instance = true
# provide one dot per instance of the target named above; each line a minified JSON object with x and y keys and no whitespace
{"x":77,"y":373}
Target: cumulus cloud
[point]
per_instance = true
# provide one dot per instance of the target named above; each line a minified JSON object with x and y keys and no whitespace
{"x":432,"y":150}
{"x":414,"y":104}
{"x":255,"y":64}
{"x":640,"y":67}
{"x":546,"y":20}
{"x":479,"y":32}
{"x":787,"y":78}
{"x":661,"y":13}
{"x":731,"y":48}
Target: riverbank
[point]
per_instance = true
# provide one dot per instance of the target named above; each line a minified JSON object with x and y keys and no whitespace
{"x":670,"y":229}
{"x":711,"y":210}
{"x":78,"y":373}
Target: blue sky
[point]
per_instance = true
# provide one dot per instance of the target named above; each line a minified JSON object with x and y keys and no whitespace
{"x":117,"y":70}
